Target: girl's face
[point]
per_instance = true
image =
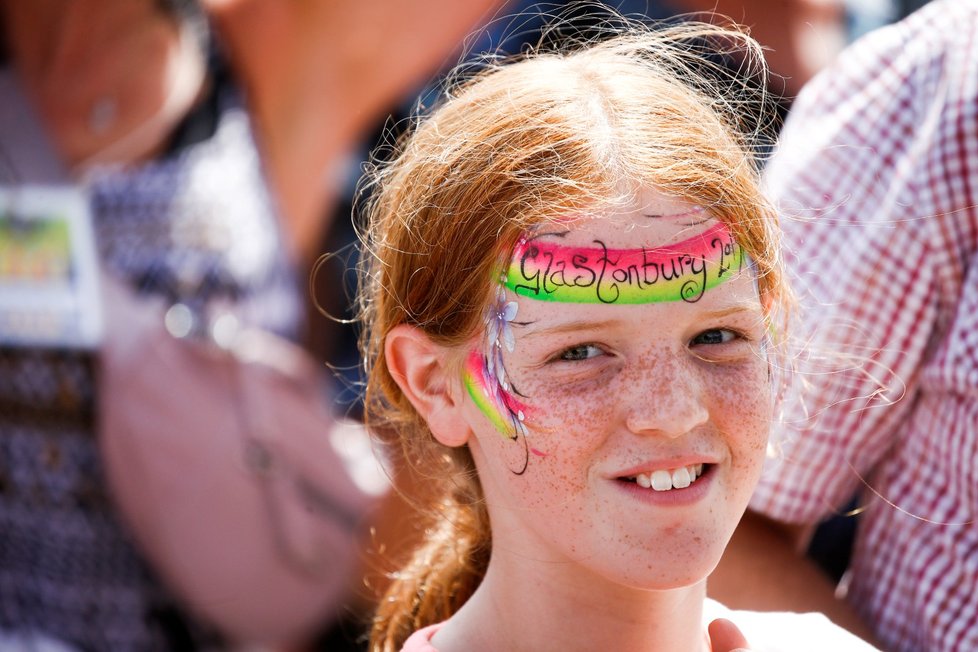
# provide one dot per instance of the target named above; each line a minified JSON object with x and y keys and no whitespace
{"x":620,"y":399}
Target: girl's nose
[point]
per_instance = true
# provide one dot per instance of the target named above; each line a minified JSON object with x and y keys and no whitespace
{"x":669,"y":405}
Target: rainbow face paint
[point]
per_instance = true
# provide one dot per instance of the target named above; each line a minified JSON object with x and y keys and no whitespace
{"x":549,"y":271}
{"x":484,"y":374}
{"x":497,"y":404}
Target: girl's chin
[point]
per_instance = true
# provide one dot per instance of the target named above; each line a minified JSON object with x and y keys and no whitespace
{"x":664,"y":575}
{"x":677,"y":583}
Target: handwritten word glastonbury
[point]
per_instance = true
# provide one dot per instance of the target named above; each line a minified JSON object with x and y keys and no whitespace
{"x":683,"y":271}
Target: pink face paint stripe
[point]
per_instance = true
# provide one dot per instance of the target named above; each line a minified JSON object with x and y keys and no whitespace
{"x":549,"y":271}
{"x":499,"y":406}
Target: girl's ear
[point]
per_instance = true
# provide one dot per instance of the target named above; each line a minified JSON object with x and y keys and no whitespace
{"x":422,"y":369}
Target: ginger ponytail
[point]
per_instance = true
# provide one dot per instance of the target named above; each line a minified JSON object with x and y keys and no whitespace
{"x":440,"y":576}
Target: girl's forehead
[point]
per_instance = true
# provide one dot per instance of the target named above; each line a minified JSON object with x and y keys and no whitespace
{"x":654,"y":222}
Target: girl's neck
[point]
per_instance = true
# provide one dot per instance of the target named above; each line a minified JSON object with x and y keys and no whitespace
{"x":544,"y":607}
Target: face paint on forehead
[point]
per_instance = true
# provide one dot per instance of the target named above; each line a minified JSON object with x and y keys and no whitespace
{"x":683,"y":271}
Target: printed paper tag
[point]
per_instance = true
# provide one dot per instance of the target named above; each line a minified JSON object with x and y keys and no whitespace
{"x":48,"y":269}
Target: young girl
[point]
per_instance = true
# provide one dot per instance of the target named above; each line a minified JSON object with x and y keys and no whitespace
{"x":569,"y":287}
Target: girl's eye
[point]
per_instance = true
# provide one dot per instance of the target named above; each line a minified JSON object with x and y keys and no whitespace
{"x":715,"y":336}
{"x":580,"y":352}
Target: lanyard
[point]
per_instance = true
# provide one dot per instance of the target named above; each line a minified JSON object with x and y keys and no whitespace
{"x":49,"y":291}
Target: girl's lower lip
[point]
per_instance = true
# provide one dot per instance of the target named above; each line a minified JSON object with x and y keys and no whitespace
{"x":673,"y":497}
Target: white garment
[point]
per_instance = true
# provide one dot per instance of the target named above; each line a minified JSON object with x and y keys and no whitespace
{"x":784,"y":631}
{"x":23,"y":642}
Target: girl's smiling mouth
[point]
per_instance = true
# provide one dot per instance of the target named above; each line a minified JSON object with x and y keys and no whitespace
{"x":668,"y":479}
{"x":668,"y":486}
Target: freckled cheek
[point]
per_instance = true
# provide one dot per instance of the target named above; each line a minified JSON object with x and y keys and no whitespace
{"x":563,"y":431}
{"x":744,"y":408}
{"x":551,"y":484}
{"x":564,"y":417}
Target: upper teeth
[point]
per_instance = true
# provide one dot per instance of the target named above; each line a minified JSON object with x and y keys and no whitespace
{"x":663,"y":480}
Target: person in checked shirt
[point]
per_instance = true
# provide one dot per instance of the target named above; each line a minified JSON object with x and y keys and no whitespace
{"x":877,"y":181}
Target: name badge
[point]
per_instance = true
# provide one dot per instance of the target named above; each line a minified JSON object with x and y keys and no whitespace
{"x":49,"y":294}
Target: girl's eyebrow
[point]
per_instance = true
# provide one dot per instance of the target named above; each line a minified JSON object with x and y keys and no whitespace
{"x":569,"y":327}
{"x":751,"y":307}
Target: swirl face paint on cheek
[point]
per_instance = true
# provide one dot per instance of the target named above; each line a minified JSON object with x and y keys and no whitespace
{"x":498,"y":405}
{"x":484,"y":374}
{"x":549,"y":271}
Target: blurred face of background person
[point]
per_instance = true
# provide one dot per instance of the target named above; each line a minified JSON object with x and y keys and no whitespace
{"x":110,"y":78}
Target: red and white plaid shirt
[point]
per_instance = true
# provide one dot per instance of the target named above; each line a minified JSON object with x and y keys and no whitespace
{"x":877,"y":178}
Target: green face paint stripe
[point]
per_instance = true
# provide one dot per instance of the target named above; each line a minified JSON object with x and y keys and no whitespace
{"x":498,"y":405}
{"x":476,"y":391}
{"x":549,"y":271}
